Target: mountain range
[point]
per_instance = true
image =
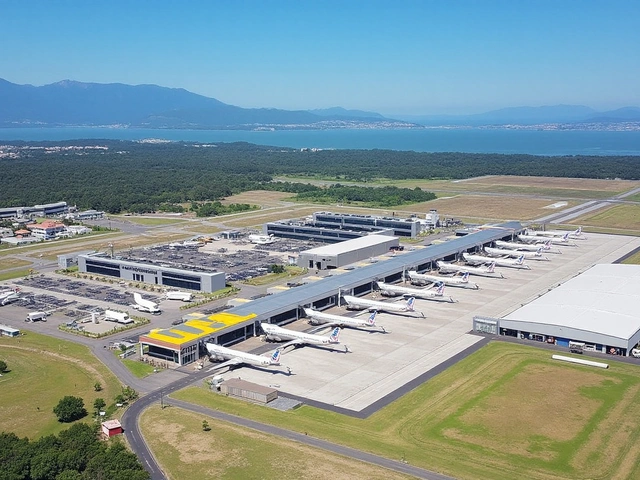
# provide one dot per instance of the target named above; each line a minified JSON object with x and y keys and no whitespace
{"x":150,"y":106}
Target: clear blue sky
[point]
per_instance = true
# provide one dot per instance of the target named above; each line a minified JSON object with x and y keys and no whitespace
{"x":410,"y":57}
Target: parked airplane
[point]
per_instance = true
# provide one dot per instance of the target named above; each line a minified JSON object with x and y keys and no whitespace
{"x":317,"y":318}
{"x":564,"y":240}
{"x":143,"y":305}
{"x":455,"y":281}
{"x":235,"y":357}
{"x":8,"y":296}
{"x":355,"y":303}
{"x":524,"y":246}
{"x":262,"y":239}
{"x":488,"y":271}
{"x":577,"y":233}
{"x":502,"y":252}
{"x":279,"y":334}
{"x":427,"y":294}
{"x":499,"y":262}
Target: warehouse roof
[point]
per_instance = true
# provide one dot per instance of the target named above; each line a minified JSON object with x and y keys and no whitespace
{"x":279,"y":302}
{"x":349,"y":245}
{"x":602,"y":300}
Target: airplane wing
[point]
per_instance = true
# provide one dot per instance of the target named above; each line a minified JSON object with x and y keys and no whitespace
{"x":292,"y":342}
{"x":229,"y":363}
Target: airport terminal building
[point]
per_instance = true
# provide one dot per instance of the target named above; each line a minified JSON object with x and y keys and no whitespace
{"x":200,"y":281}
{"x":598,"y":308}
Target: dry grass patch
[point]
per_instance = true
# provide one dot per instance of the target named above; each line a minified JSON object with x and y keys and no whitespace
{"x":185,"y":451}
{"x":8,"y":263}
{"x":265,"y":198}
{"x":619,"y":216}
{"x":611,"y":186}
{"x":486,"y":207}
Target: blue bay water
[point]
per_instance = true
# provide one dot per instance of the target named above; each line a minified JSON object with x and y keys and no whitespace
{"x":536,"y":142}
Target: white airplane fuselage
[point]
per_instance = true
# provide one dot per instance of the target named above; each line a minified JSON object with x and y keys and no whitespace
{"x":316,"y":317}
{"x":536,"y":255}
{"x":452,"y":268}
{"x":279,"y":334}
{"x":449,"y":281}
{"x":394,"y":290}
{"x":554,"y":241}
{"x":371,"y":305}
{"x":499,"y":262}
{"x":520,"y":246}
{"x":223,"y":353}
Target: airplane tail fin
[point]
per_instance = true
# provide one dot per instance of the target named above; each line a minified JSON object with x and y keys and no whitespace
{"x":491,"y":268}
{"x":578,"y":231}
{"x":440,"y":290}
{"x":465,"y":277}
{"x":335,"y":335}
{"x":410,"y":304}
{"x":565,"y":237}
{"x":539,"y":252}
{"x":371,"y":321}
{"x":275,"y":358}
{"x":520,"y":260}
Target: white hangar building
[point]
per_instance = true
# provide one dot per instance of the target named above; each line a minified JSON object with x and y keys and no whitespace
{"x":598,"y":308}
{"x":345,"y":253}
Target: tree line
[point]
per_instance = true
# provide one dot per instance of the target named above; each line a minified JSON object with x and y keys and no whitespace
{"x":137,"y":177}
{"x":74,"y":454}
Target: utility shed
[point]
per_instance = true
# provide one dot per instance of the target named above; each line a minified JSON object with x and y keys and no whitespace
{"x":111,"y":428}
{"x":236,"y":387}
{"x":345,"y":253}
{"x":598,"y":307}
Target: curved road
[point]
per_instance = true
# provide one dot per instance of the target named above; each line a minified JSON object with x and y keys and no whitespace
{"x":138,"y":445}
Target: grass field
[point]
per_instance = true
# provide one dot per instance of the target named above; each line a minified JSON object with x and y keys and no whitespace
{"x":186,"y":452}
{"x":543,"y":186}
{"x":139,"y":369}
{"x":486,"y":207}
{"x":151,"y":221}
{"x":266,"y":198}
{"x":8,"y":263}
{"x":43,"y":370}
{"x":633,"y":259}
{"x":505,"y":412}
{"x":290,"y":272}
{"x":13,"y":274}
{"x":64,"y":244}
{"x":633,"y":198}
{"x":619,"y":216}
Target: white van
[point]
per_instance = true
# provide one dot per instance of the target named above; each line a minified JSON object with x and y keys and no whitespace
{"x":119,"y":317}
{"x":635,"y":352}
{"x":35,"y":316}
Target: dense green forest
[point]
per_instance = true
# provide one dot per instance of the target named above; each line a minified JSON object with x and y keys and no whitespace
{"x":74,"y":454}
{"x":142,"y":177}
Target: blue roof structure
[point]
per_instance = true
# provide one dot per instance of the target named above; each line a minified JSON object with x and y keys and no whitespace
{"x":271,"y":305}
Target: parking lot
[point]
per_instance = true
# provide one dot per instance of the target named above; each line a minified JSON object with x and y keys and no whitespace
{"x":381,"y":363}
{"x":239,"y":259}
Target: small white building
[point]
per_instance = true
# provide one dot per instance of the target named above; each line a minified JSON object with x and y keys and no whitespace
{"x":6,"y":232}
{"x":78,"y":230}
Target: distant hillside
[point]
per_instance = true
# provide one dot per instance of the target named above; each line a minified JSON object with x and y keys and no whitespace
{"x":341,"y":112}
{"x":77,"y":103}
{"x":530,"y":116}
